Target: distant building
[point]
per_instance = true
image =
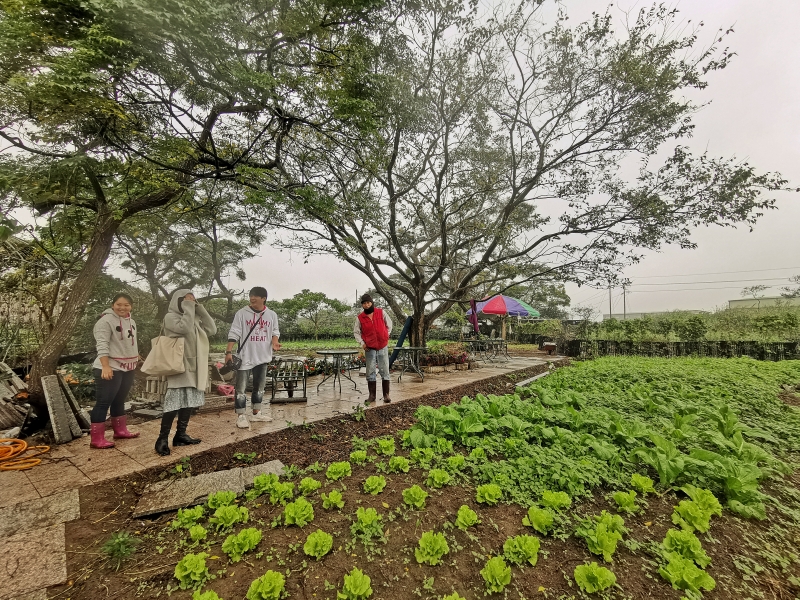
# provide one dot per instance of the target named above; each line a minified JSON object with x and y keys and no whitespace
{"x":639,"y":315}
{"x":763,"y":302}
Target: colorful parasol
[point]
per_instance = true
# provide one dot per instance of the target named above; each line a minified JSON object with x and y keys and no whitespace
{"x":505,"y":305}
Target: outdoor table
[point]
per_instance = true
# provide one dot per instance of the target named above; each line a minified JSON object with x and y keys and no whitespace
{"x":338,"y":361}
{"x":499,"y":347}
{"x":480,"y":348}
{"x":409,"y":356}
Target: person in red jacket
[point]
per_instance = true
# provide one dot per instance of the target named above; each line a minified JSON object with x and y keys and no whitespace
{"x":371,"y":330}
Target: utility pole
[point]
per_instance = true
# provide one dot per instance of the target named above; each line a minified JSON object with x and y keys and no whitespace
{"x":609,"y":301}
{"x":624,"y":307}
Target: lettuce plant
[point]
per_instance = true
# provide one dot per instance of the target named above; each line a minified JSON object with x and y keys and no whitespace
{"x":477,"y":454}
{"x":438,"y":478}
{"x":455,"y":463}
{"x":191,"y":571}
{"x":453,"y":596}
{"x":374,"y":484}
{"x":281,"y":493}
{"x":521,"y":549}
{"x":683,"y":574}
{"x":332,"y":500}
{"x":187,"y":517}
{"x":338,"y":470}
{"x":385,"y":446}
{"x":368,"y":525}
{"x":267,"y":587}
{"x":356,"y":586}
{"x":415,"y":497}
{"x":399,"y":464}
{"x":489,"y":493}
{"x":432,"y":547}
{"x":358,"y":457}
{"x":225,"y":517}
{"x":300,"y":513}
{"x":496,"y":574}
{"x":263,"y":483}
{"x":223,"y":498}
{"x":198,"y":533}
{"x":626,"y":501}
{"x":602,"y":534}
{"x":422,"y":456}
{"x":541,"y":519}
{"x":318,"y":544}
{"x":642,"y":484}
{"x":685,"y":544}
{"x":466,"y":517}
{"x":207,"y":595}
{"x":308,"y":485}
{"x":593,"y":578}
{"x":556,"y":500}
{"x":235,"y":545}
{"x":695,"y":514}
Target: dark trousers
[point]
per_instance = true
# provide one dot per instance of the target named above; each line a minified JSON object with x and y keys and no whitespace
{"x":111,"y":393}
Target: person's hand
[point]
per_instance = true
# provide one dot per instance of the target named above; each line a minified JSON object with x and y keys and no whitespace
{"x":276,"y":346}
{"x":363,"y":346}
{"x":108,"y":373}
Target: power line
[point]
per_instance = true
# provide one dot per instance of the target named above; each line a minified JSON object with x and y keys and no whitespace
{"x":730,"y":287}
{"x":781,"y":279}
{"x":719,"y":273}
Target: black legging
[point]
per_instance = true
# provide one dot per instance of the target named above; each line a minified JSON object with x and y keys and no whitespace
{"x":111,"y":393}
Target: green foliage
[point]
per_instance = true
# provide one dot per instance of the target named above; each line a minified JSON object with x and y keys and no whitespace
{"x":358,"y":457}
{"x":338,"y":470}
{"x":267,"y":587}
{"x":541,"y":519}
{"x":683,"y":574}
{"x":207,"y":595}
{"x":300,"y":513}
{"x":281,"y":493}
{"x":438,"y":478}
{"x":191,"y":571}
{"x":521,"y":549}
{"x":695,"y":514}
{"x":496,"y":574}
{"x":466,"y":517}
{"x":626,"y":501}
{"x":198,"y":533}
{"x":187,"y":517}
{"x":556,"y":500}
{"x":399,"y":464}
{"x":223,"y":498}
{"x":356,"y":586}
{"x":120,"y":546}
{"x":432,"y":547}
{"x":374,"y":484}
{"x":422,"y":457}
{"x":453,"y":596}
{"x":489,"y":493}
{"x":235,"y":545}
{"x":332,"y":500}
{"x":367,"y":526}
{"x":415,"y":497}
{"x":455,"y":463}
{"x":225,"y":517}
{"x":642,"y":484}
{"x":385,"y":446}
{"x":685,"y":544}
{"x":593,"y":578}
{"x":318,"y":544}
{"x":602,"y":534}
{"x":262,"y":484}
{"x":309,"y":485}
{"x":665,"y":458}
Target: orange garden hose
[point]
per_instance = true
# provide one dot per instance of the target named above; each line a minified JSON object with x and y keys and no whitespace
{"x":11,"y":451}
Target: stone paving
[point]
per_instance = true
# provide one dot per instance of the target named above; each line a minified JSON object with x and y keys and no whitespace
{"x":35,"y":505}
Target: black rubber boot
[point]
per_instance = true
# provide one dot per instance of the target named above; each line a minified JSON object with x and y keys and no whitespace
{"x":162,"y":443}
{"x":181,"y":437}
{"x":385,"y":383}
{"x":372,"y":386}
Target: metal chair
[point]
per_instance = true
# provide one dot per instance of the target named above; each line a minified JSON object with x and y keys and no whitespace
{"x":291,"y":373}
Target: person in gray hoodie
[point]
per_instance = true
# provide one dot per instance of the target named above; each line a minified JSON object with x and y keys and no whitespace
{"x":188,"y":320}
{"x":114,"y":370}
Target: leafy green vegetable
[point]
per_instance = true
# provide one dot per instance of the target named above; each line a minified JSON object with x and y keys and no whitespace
{"x":665,"y":458}
{"x":541,"y":519}
{"x":399,"y":464}
{"x":642,"y":484}
{"x":236,"y":545}
{"x":338,"y":470}
{"x":626,"y":501}
{"x":489,"y":493}
{"x":415,"y":497}
{"x":207,"y":595}
{"x":309,"y":485}
{"x":367,"y":526}
{"x":225,"y":517}
{"x":191,"y":571}
{"x":496,"y":574}
{"x":300,"y":513}
{"x":593,"y":578}
{"x":683,"y":574}
{"x":281,"y":493}
{"x":385,"y":446}
{"x":187,"y":517}
{"x":223,"y":498}
{"x":356,"y":586}
{"x":455,"y":463}
{"x":466,"y":517}
{"x":374,"y":484}
{"x":453,"y":596}
{"x":685,"y":544}
{"x":521,"y":549}
{"x":358,"y":457}
{"x":555,"y":500}
{"x":318,"y":544}
{"x":197,"y":533}
{"x":422,"y":456}
{"x":432,"y":547}
{"x":695,"y":514}
{"x":602,"y":534}
{"x":438,"y":478}
{"x":262,"y":484}
{"x":332,"y":500}
{"x":267,"y":587}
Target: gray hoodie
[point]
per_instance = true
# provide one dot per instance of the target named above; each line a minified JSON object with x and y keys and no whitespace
{"x":192,"y":322}
{"x":117,"y":339}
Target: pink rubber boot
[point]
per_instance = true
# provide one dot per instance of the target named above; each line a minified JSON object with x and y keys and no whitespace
{"x":120,"y":425}
{"x":98,"y":433}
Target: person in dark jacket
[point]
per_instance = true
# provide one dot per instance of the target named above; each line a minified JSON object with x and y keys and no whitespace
{"x":371,"y":330}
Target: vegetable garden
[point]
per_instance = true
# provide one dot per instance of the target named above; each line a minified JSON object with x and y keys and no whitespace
{"x":622,"y":477}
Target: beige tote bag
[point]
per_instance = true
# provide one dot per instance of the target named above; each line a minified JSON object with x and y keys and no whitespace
{"x":165,"y":358}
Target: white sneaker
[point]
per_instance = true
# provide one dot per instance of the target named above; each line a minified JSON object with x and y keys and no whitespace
{"x":261,"y":417}
{"x":242,"y":422}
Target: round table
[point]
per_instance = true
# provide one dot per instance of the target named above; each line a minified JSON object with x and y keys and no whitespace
{"x":410,"y":359}
{"x":338,"y":360}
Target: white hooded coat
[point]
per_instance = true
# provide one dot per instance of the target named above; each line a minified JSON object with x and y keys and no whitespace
{"x":193,"y":323}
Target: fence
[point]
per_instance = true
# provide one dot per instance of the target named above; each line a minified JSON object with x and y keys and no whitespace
{"x":772,"y":351}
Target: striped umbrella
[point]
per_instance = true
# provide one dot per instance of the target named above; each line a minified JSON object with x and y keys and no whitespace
{"x":505,"y":305}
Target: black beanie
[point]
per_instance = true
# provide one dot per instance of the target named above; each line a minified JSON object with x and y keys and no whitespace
{"x":366,"y":298}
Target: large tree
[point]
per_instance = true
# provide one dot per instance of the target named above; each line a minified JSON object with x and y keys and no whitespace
{"x":117,"y":108}
{"x":507,"y":143}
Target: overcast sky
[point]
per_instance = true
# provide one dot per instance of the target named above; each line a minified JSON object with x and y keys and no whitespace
{"x":754,"y":115}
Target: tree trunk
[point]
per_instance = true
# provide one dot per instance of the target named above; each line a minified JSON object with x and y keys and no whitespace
{"x":45,"y":360}
{"x":419,"y":329}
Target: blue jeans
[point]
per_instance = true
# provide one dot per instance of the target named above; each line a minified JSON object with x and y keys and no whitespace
{"x":382,"y":357}
{"x":259,"y":381}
